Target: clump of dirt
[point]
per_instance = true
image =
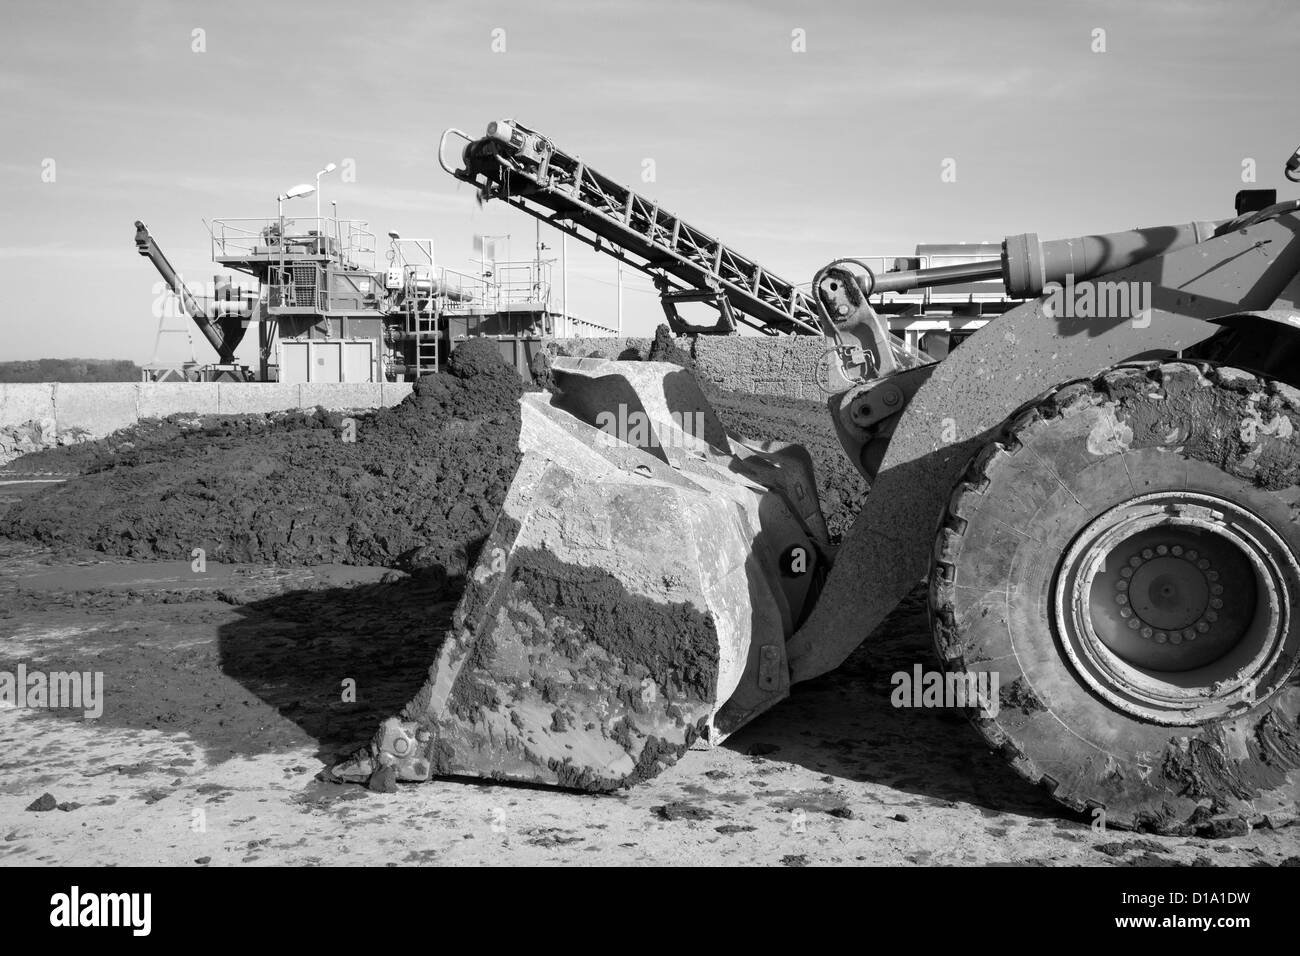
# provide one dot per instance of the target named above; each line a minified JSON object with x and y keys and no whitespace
{"x":414,"y":486}
{"x":664,"y":348}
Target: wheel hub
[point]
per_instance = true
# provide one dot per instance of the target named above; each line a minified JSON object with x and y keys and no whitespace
{"x":1176,"y":606}
{"x":1167,"y":594}
{"x":1170,"y":590}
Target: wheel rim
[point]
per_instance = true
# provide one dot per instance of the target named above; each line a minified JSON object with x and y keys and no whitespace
{"x":1176,"y":607}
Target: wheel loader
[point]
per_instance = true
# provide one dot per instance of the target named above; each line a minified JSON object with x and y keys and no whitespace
{"x":1101,"y":487}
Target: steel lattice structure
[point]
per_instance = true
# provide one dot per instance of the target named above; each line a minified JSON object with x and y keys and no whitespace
{"x":525,"y":169}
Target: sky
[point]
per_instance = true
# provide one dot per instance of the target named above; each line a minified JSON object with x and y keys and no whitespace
{"x":796,"y":132}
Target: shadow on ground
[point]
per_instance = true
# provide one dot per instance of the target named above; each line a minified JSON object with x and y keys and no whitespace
{"x":337,"y":661}
{"x":843,"y":724}
{"x":244,"y":672}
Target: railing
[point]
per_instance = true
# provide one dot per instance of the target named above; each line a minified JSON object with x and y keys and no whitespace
{"x":522,"y":283}
{"x":574,"y":327}
{"x":463,"y":290}
{"x":347,"y":241}
{"x":507,"y":284}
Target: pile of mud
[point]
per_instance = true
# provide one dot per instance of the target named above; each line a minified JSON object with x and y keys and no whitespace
{"x":133,"y":445}
{"x":420,"y":486}
{"x":417,"y":486}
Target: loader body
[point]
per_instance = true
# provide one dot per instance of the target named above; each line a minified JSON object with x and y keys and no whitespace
{"x":1079,"y":486}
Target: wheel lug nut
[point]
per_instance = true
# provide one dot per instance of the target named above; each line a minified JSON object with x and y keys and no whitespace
{"x":1134,"y":624}
{"x":1217,"y":589}
{"x":1174,"y":638}
{"x":1202,"y":626}
{"x":1134,"y":561}
{"x":1148,"y":553}
{"x":1216,"y":603}
{"x":1189,"y":634}
{"x":1202,"y":564}
{"x":1126,"y":572}
{"x":1147,"y":632}
{"x":1121,"y":599}
{"x":1212,"y":575}
{"x":1121,"y":585}
{"x":1192,"y":554}
{"x":1125,"y":612}
{"x":1161,"y":637}
{"x":1177,"y":550}
{"x":1211,"y":616}
{"x":1162,"y":549}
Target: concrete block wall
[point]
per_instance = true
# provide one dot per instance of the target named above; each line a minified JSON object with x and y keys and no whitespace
{"x":762,"y":365}
{"x":607,"y":348}
{"x":24,"y":402}
{"x":34,"y":416}
{"x":778,"y":365}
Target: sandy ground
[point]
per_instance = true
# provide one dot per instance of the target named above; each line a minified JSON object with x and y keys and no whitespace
{"x":223,"y":701}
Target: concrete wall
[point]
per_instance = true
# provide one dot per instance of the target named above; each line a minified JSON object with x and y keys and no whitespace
{"x":35,"y":416}
{"x":767,"y":365}
{"x":609,"y":348}
{"x":778,"y":365}
{"x":55,"y":413}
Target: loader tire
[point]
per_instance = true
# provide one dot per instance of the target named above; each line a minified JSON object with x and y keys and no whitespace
{"x":1123,"y":559}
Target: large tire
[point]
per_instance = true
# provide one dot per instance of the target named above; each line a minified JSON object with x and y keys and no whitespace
{"x":1123,"y":556}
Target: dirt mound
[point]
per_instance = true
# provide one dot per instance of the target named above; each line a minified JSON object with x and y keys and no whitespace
{"x":664,"y":348}
{"x":153,"y":436}
{"x":419,"y":485}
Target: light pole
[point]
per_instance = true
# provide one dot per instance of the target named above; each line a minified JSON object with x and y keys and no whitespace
{"x":329,"y":168}
{"x":302,"y":189}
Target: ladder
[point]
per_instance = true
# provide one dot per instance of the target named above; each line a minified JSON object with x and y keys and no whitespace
{"x":422,"y":329}
{"x":525,"y":169}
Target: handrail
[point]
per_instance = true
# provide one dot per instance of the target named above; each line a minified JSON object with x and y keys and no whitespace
{"x":348,"y":241}
{"x":442,"y":141}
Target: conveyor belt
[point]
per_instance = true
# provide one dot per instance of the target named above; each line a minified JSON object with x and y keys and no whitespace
{"x":524,"y":168}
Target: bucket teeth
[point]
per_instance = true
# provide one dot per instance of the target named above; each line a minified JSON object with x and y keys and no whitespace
{"x":401,"y":745}
{"x":614,"y":606}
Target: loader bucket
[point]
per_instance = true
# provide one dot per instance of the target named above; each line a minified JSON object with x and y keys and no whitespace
{"x":633,"y":598}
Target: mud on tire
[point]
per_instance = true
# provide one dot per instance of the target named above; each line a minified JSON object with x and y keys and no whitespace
{"x":1123,"y":556}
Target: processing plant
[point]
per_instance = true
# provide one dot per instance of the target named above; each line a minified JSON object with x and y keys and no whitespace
{"x":326,"y":312}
